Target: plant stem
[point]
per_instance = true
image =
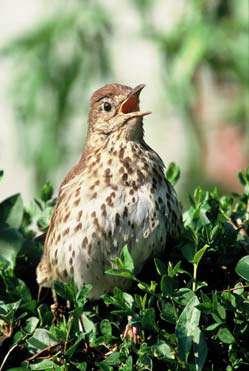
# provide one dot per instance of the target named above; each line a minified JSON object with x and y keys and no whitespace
{"x":194,"y":277}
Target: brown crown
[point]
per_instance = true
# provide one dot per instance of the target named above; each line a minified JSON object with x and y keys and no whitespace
{"x":110,"y":90}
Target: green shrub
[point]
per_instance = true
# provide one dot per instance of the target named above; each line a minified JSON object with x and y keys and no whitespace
{"x":191,"y":310}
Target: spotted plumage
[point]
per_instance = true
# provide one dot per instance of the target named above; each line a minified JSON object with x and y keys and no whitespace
{"x":115,"y":195}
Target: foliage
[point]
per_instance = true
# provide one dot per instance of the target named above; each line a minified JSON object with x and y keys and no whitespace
{"x":60,"y":57}
{"x":191,"y":306}
{"x":209,"y":38}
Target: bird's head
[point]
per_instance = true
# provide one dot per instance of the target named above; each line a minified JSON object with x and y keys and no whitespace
{"x":115,"y":108}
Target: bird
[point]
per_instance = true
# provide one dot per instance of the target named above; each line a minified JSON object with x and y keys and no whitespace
{"x":115,"y":195}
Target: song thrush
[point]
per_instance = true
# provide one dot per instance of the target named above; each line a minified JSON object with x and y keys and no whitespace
{"x":115,"y":195}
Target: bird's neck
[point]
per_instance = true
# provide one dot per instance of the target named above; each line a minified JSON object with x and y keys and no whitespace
{"x":97,"y":140}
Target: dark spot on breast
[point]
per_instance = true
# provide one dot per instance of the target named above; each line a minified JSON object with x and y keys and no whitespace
{"x":54,"y":261}
{"x":70,"y":247}
{"x":131,"y":192}
{"x":89,"y":248}
{"x":117,"y":219}
{"x":71,"y":270}
{"x":125,"y":177}
{"x":73,"y":254}
{"x":66,"y":217}
{"x":71,"y":261}
{"x":65,"y":273}
{"x":77,"y":192}
{"x":121,"y":153}
{"x":109,"y":201}
{"x":109,"y":161}
{"x":93,"y":215}
{"x":76,"y":202}
{"x":134,"y":185}
{"x":58,"y":238}
{"x":121,"y":170}
{"x":133,"y":199}
{"x":65,"y":232}
{"x":78,"y":227}
{"x":125,"y":213}
{"x":79,"y":215}
{"x":94,"y":195}
{"x":85,"y":242}
{"x":140,"y":176}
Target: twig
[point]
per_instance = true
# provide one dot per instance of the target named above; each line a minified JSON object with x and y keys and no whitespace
{"x":42,"y":351}
{"x":236,"y":288}
{"x":7,"y":355}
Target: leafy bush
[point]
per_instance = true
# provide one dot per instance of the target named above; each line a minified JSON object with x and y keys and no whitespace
{"x":191,"y":306}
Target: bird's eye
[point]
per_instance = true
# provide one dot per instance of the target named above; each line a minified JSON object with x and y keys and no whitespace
{"x":107,"y":106}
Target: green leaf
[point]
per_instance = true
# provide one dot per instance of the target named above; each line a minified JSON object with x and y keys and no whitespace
{"x":66,"y":291}
{"x":183,"y":296}
{"x":160,"y":267}
{"x":120,"y":273}
{"x":88,"y":324}
{"x":200,"y":350}
{"x":31,"y":324}
{"x":47,"y":191}
{"x":127,"y":259}
{"x":187,"y":327}
{"x":111,"y":360}
{"x":10,"y":244}
{"x":199,"y":254}
{"x":163,"y":351}
{"x":128,"y":366}
{"x":167,"y":285}
{"x":225,"y":336}
{"x":11,"y":211}
{"x":188,"y":251}
{"x":148,"y":318}
{"x":40,"y":340}
{"x":242,"y":267}
{"x":168,"y":313}
{"x":45,"y":364}
{"x":173,"y":173}
{"x":106,"y":329}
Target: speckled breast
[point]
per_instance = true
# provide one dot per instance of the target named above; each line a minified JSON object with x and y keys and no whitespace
{"x":120,"y":198}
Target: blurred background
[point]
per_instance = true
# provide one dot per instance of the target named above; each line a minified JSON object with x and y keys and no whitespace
{"x":193,"y":56}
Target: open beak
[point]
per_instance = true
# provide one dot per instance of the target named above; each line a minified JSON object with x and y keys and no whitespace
{"x":130,"y":105}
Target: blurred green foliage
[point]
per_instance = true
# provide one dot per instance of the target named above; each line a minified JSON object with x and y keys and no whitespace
{"x":54,"y":64}
{"x":210,"y":35}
